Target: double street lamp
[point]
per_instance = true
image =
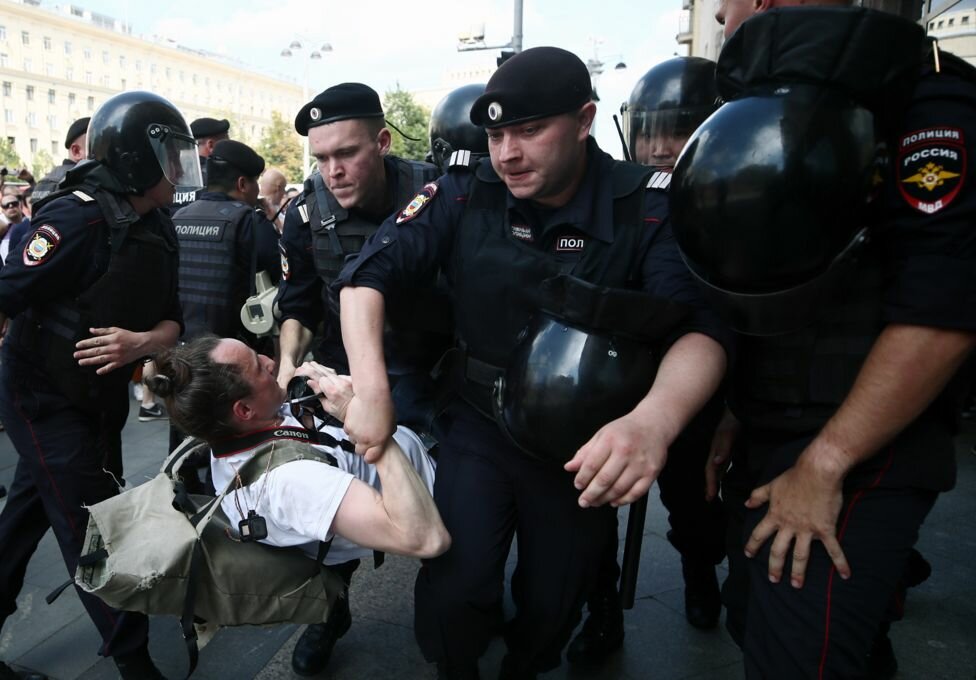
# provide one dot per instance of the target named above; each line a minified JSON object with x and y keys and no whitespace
{"x":293,"y":50}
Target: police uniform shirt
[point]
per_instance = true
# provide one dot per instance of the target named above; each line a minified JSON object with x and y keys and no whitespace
{"x":62,"y":256}
{"x":300,"y":294}
{"x":401,"y":253}
{"x":300,"y":499}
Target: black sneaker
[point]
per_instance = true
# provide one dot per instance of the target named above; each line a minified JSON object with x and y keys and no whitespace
{"x":602,"y":633}
{"x":314,"y":648}
{"x":154,"y":412}
{"x":703,"y":600}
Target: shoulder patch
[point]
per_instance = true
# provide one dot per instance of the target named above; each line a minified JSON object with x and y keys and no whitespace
{"x":931,"y":167}
{"x":42,"y":244}
{"x":460,"y":159}
{"x":285,"y":268}
{"x":418,"y":204}
{"x":660,"y":180}
{"x":83,"y":196}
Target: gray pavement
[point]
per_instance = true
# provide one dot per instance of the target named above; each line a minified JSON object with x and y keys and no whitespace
{"x":936,"y":639}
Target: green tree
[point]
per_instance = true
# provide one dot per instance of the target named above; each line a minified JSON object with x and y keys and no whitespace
{"x":410,"y":117}
{"x":41,"y":164}
{"x":8,"y":156}
{"x":238,"y":130}
{"x":282,"y":147}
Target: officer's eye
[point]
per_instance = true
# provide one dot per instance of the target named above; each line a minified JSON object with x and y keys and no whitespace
{"x":494,"y":137}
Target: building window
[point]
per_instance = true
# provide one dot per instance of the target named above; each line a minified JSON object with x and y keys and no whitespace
{"x":940,"y":24}
{"x":104,"y":81}
{"x":88,"y":53}
{"x":138,"y":64}
{"x":30,"y":93}
{"x":8,"y":88}
{"x":965,"y":20}
{"x":3,"y":32}
{"x":91,"y":103}
{"x":3,"y":59}
{"x":51,"y":96}
{"x":105,"y":58}
{"x":952,"y":21}
{"x":28,"y":64}
{"x":152,"y":67}
{"x":54,"y":148}
{"x":25,"y":37}
{"x":52,"y":121}
{"x":71,"y":99}
{"x":47,"y":43}
{"x":49,"y":70}
{"x":32,"y":119}
{"x":169,"y":72}
{"x":121,"y":61}
{"x":67,"y":47}
{"x":8,"y":116}
{"x":33,"y":145}
{"x":88,"y":77}
{"x":69,"y":73}
{"x":12,"y":141}
{"x":123,"y":83}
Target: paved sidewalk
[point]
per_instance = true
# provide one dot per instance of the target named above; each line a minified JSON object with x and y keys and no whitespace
{"x":937,"y":639}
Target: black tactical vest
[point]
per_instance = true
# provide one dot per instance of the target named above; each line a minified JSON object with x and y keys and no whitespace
{"x":49,"y":183}
{"x":213,"y":283}
{"x":496,"y":278}
{"x":335,"y":232}
{"x":137,"y":252}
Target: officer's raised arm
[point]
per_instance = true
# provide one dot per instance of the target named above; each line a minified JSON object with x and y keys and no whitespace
{"x":370,"y":417}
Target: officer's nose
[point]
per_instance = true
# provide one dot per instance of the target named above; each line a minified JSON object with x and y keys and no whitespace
{"x":509,"y":149}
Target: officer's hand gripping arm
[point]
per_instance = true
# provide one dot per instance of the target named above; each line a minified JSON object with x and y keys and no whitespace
{"x":622,"y":460}
{"x":293,"y":341}
{"x":369,"y":416}
{"x":908,"y":366}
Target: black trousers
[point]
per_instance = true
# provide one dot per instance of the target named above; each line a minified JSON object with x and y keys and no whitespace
{"x":487,"y":491}
{"x":825,"y":629}
{"x":65,"y":459}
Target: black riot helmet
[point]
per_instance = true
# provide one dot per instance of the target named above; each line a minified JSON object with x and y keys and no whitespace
{"x":668,"y":103}
{"x":141,"y":138}
{"x":768,"y":201}
{"x":451,"y":128}
{"x":586,"y":358}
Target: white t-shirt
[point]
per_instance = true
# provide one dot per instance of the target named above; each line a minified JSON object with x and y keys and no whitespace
{"x":299,"y":500}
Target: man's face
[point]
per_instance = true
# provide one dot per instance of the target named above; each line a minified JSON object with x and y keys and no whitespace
{"x":258,"y":372}
{"x":540,"y":159}
{"x":731,"y":13}
{"x":661,"y":151}
{"x":13,"y":210}
{"x":350,"y":159}
{"x":250,"y":191}
{"x":272,"y":189}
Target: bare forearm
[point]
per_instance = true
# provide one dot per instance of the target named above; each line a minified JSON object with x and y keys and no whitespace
{"x":906,"y":369}
{"x":293,"y":341}
{"x":409,"y":506}
{"x":362,"y":317}
{"x":688,"y":376}
{"x":163,"y":335}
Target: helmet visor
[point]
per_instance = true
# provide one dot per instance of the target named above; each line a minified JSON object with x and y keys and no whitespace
{"x":656,"y":137}
{"x":176,"y":153}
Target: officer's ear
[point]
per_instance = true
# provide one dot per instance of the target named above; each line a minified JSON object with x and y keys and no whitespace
{"x":384,"y":139}
{"x":584,"y":120}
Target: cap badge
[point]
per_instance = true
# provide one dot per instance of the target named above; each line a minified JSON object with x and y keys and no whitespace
{"x":315,"y":113}
{"x":494,"y":111}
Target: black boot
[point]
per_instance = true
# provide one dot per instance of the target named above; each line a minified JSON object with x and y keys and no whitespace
{"x":8,"y":673}
{"x":137,"y":665}
{"x":882,"y":664}
{"x":703,"y":601}
{"x":603,"y":631}
{"x":314,"y":647}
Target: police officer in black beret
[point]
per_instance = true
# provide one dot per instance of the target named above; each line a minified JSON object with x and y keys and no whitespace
{"x":854,"y":312}
{"x":357,"y":184}
{"x":548,"y":235}
{"x":93,"y":291}
{"x":224,"y":242}
{"x":76,"y":142}
{"x":207,"y":132}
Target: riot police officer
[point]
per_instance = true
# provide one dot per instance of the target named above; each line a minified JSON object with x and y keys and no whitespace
{"x":75,"y":334}
{"x":356,"y":185}
{"x":207,"y":132}
{"x":224,"y":242}
{"x":454,"y":139}
{"x":548,"y":229}
{"x":76,"y":142}
{"x":666,"y":105}
{"x":853,"y":312}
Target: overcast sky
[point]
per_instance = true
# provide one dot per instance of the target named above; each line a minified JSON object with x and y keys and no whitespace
{"x":383,"y":43}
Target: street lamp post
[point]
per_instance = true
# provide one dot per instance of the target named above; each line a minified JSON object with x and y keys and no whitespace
{"x":315,"y":55}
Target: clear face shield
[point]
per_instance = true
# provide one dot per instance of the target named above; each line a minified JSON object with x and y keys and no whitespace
{"x":657,"y":137}
{"x":177,"y":156}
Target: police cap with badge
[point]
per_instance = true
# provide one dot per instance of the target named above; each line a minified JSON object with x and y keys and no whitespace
{"x":536,"y":83}
{"x":240,"y":156}
{"x":345,"y":101}
{"x":209,"y":127}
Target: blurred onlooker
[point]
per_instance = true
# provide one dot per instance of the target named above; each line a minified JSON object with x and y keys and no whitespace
{"x":17,"y":224}
{"x":272,"y":188}
{"x":76,"y":142}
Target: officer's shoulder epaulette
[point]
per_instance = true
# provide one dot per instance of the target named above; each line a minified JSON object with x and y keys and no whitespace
{"x":660,"y":180}
{"x":462,"y":158}
{"x":303,"y":212}
{"x":83,"y":196}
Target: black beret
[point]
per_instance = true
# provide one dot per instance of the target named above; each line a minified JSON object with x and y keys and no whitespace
{"x":339,"y":102}
{"x":77,"y":129}
{"x":209,"y":127}
{"x":240,"y":156}
{"x":539,"y":82}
